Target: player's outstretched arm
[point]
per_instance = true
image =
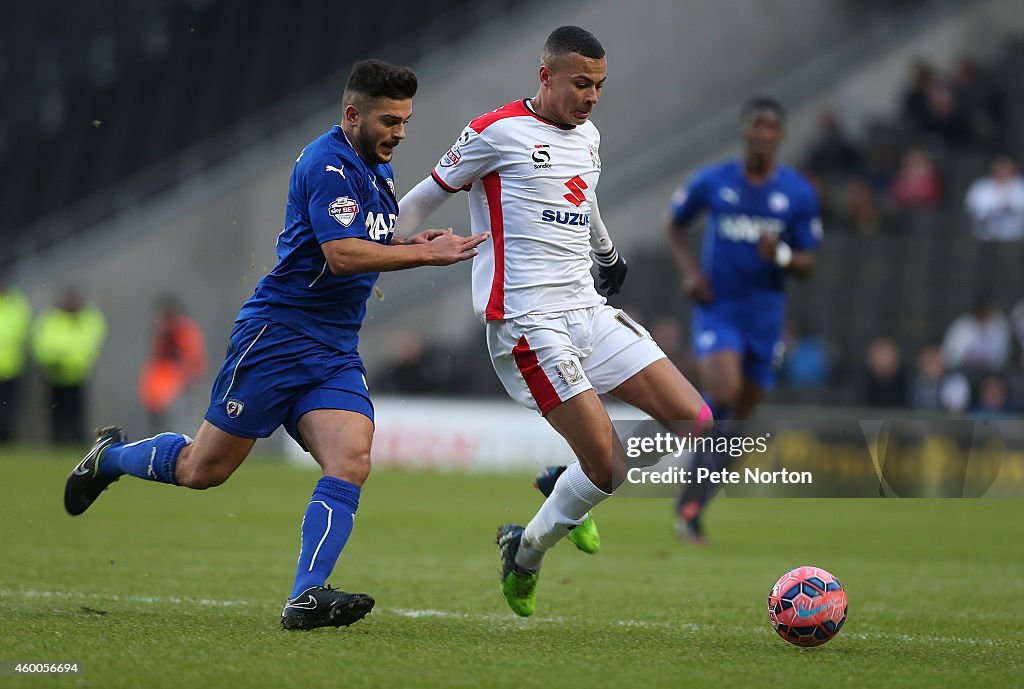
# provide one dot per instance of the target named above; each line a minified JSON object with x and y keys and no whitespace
{"x":695,"y":282}
{"x":355,"y":255}
{"x":415,"y":207}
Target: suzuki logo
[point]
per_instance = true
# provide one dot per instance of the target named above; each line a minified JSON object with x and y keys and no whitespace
{"x":576,"y":186}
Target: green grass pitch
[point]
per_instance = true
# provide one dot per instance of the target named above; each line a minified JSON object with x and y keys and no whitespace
{"x":164,"y":587}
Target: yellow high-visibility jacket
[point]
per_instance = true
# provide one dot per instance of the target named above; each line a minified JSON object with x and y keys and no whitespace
{"x":15,"y":318}
{"x":66,"y":344}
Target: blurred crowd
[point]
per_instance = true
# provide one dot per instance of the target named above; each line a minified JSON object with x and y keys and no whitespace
{"x":977,"y":368}
{"x":867,"y":186}
{"x":875,"y":186}
{"x":61,"y":345}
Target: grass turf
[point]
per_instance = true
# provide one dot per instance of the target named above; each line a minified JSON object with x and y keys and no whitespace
{"x":163,"y":587}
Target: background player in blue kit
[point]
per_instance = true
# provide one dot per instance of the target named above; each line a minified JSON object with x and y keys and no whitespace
{"x":293,"y":357}
{"x":762,"y":223}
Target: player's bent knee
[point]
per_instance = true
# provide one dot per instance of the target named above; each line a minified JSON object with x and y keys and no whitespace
{"x":688,"y":408}
{"x":200,"y":475}
{"x":203,"y":477}
{"x":354,"y":468}
{"x":199,"y":480}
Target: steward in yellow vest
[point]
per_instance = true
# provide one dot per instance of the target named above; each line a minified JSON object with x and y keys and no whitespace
{"x":15,"y":318}
{"x":66,"y":343}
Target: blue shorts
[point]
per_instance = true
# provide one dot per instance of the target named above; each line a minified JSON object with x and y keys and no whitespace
{"x":757,"y":339}
{"x":272,"y":375}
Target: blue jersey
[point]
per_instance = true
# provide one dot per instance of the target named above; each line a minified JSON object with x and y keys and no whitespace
{"x":333,"y":194}
{"x":738,"y":214}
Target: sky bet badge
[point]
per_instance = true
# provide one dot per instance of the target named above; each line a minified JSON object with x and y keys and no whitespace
{"x":344,"y":210}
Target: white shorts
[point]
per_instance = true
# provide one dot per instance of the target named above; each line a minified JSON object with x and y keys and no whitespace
{"x":544,"y":359}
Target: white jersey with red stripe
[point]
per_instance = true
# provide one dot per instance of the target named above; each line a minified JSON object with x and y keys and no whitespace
{"x":531,"y":183}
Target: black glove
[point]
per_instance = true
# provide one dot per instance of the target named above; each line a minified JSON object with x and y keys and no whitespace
{"x":613,"y":276}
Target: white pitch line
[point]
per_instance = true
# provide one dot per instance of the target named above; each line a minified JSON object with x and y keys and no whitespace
{"x":543,"y":619}
{"x":501,"y":618}
{"x":171,"y":600}
{"x":951,"y":640}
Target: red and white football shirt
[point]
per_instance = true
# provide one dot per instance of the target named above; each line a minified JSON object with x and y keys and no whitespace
{"x":531,"y":183}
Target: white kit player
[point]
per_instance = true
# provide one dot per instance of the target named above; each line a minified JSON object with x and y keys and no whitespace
{"x":531,"y":169}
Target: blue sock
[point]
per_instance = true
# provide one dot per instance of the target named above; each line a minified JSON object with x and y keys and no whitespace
{"x":153,"y":459}
{"x":325,"y":530}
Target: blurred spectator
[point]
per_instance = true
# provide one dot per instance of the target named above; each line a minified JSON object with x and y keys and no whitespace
{"x":979,"y":340}
{"x":833,"y":155}
{"x":944,"y":116}
{"x":884,"y":380}
{"x":806,"y":363}
{"x":15,"y":319}
{"x":880,"y":165}
{"x":956,"y":393}
{"x":926,"y":386}
{"x":915,"y":96}
{"x":863,"y":211}
{"x":993,"y":398}
{"x":1017,"y":322}
{"x":417,"y":368}
{"x":834,"y":166}
{"x":67,"y":341}
{"x":936,"y":389}
{"x":407,"y":370}
{"x":1015,"y":382}
{"x":917,"y":184}
{"x":996,"y":202}
{"x":980,"y":100}
{"x":177,"y":359}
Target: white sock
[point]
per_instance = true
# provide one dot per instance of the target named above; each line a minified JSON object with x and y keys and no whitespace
{"x":567,"y":507}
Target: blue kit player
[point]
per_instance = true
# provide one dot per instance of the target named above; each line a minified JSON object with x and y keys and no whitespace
{"x":762,"y":223}
{"x":293,"y":356}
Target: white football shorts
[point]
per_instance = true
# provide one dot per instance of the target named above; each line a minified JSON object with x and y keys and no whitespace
{"x":545,"y":359}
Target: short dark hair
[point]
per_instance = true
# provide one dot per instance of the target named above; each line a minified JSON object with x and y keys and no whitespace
{"x":762,"y":103}
{"x":371,"y":79}
{"x":570,"y":39}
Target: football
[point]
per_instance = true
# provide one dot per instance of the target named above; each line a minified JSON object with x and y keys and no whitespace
{"x":807,"y":606}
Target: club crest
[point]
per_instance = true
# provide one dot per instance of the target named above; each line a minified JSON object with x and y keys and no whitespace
{"x":570,"y":373}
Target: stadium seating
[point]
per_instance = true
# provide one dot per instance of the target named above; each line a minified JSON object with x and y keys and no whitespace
{"x":115,"y":87}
